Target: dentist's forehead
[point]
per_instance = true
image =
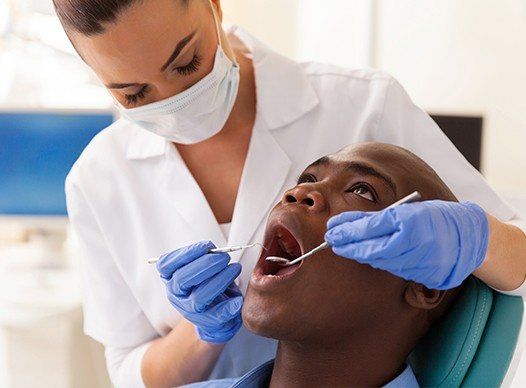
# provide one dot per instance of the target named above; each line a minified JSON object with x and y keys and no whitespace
{"x":133,"y":44}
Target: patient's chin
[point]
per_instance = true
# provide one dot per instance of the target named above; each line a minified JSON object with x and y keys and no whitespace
{"x":268,"y":321}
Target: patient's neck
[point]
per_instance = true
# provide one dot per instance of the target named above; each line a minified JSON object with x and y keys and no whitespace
{"x":363,"y":359}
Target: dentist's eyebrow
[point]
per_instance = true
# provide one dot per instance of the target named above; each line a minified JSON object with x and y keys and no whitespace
{"x":180,"y":46}
{"x":364,"y":169}
{"x":121,"y":86}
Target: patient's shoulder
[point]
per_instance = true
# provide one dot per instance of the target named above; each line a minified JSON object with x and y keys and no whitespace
{"x":338,"y":84}
{"x":324,"y":70}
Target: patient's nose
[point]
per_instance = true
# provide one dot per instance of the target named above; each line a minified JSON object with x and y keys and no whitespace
{"x":304,"y":195}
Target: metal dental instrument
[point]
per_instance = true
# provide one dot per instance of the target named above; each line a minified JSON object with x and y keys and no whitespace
{"x":218,"y":250}
{"x":415,"y":196}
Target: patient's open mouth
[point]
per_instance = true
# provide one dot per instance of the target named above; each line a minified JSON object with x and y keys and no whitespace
{"x":282,"y":244}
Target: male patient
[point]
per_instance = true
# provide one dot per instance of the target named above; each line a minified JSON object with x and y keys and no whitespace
{"x":338,"y":322}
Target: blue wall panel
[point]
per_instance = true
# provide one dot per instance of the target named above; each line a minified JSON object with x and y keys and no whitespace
{"x":36,"y":153}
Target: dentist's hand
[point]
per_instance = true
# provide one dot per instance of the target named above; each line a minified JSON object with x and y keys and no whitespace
{"x":435,"y":243}
{"x":200,"y":285}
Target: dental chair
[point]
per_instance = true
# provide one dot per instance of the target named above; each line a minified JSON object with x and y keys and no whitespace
{"x":473,"y":344}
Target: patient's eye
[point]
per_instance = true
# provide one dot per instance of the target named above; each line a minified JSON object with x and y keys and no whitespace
{"x":306,"y":178}
{"x":364,"y":191}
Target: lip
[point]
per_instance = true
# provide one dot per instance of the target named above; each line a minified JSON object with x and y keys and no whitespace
{"x":284,"y":223}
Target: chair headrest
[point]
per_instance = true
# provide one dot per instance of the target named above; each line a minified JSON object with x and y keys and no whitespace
{"x":473,"y":342}
{"x":444,"y":355}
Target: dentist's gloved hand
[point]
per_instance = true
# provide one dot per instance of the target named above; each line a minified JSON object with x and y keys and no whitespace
{"x":200,"y":285}
{"x":435,"y":243}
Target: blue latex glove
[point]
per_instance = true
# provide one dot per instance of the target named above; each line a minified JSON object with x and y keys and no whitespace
{"x":200,"y":285}
{"x":435,"y":243}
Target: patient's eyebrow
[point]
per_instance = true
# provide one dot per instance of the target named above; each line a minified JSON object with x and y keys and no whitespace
{"x":364,"y":169}
{"x":321,"y":161}
{"x":358,"y":168}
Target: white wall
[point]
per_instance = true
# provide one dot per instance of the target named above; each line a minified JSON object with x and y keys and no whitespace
{"x":464,"y":56}
{"x":274,"y":22}
{"x":341,"y":37}
{"x":309,"y":30}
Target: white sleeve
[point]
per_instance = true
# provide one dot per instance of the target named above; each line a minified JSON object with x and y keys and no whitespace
{"x":112,"y":315}
{"x":520,"y":291}
{"x":124,"y":365}
{"x":404,"y":124}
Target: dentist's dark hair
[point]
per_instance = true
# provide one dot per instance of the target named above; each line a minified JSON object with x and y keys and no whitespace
{"x":90,"y":17}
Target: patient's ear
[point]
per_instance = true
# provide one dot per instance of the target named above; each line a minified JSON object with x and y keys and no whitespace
{"x":421,"y":297}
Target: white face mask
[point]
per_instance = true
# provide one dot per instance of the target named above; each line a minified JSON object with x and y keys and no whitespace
{"x":199,"y":112}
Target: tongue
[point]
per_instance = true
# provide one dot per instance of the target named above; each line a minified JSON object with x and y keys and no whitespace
{"x":287,"y":270}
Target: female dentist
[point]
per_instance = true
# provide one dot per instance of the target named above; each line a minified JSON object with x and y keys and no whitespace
{"x":215,"y":126}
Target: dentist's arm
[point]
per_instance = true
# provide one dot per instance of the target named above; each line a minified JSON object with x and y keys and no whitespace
{"x":179,"y":358}
{"x":504,"y":267}
{"x":404,"y":124}
{"x":176,"y":359}
{"x":435,"y":243}
{"x":200,"y":285}
{"x":135,"y":356}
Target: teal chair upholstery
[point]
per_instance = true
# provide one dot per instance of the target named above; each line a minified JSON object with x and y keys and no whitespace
{"x":473,"y":344}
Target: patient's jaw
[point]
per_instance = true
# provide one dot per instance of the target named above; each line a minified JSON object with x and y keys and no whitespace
{"x":329,"y":301}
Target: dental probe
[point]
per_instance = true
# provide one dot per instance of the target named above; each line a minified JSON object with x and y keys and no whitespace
{"x":415,"y":196}
{"x":218,"y":250}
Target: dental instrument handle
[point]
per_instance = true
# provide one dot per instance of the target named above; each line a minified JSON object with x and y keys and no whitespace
{"x":234,"y":248}
{"x":224,"y":250}
{"x":216,"y":250}
{"x":414,"y":196}
{"x":320,"y":247}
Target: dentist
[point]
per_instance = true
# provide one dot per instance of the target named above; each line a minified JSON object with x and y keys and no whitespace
{"x":215,"y":127}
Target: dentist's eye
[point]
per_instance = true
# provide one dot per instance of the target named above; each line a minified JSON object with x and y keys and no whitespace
{"x":132,"y":99}
{"x":192,"y":67}
{"x":306,"y":178}
{"x":364,"y":191}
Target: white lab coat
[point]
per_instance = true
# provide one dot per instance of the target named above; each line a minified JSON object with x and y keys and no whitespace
{"x":131,"y":197}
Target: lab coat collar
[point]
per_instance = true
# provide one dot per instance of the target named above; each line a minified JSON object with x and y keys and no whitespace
{"x":189,"y":200}
{"x":284,"y":94}
{"x":143,"y":144}
{"x":258,"y":192}
{"x":284,"y":91}
{"x":265,"y":173}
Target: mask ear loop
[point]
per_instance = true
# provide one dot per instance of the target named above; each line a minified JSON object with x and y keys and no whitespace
{"x":216,"y":20}
{"x":218,"y":31}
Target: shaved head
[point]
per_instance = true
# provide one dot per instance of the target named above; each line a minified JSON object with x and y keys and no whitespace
{"x":407,"y":168}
